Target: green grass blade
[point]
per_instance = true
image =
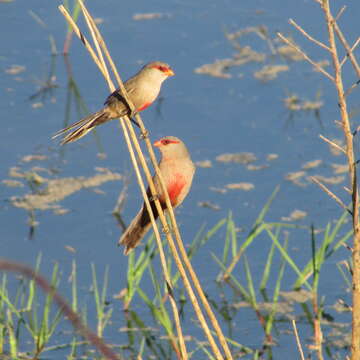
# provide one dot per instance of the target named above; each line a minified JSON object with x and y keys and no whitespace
{"x":288,"y":259}
{"x":250,"y":283}
{"x":271,"y":317}
{"x":267,"y":268}
{"x":239,"y":287}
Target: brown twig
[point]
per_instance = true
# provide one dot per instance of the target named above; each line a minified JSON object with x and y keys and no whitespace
{"x":312,"y":62}
{"x":330,"y":193}
{"x":349,"y":51}
{"x":336,"y":146}
{"x":6,"y":265}
{"x":302,"y":31}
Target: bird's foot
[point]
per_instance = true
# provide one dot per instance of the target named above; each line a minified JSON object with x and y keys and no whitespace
{"x":154,"y":197}
{"x":165,"y":230}
{"x":144,"y":134}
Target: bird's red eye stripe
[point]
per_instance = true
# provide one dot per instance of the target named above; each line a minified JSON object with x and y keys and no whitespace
{"x":161,"y":68}
{"x":168,"y":141}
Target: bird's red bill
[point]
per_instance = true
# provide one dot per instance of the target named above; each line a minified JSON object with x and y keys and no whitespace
{"x":166,"y":70}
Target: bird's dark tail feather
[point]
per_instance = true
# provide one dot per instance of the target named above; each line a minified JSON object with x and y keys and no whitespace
{"x":136,"y":231}
{"x":82,"y":126}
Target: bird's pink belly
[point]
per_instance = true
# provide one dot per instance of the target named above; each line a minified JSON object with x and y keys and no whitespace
{"x":174,"y":190}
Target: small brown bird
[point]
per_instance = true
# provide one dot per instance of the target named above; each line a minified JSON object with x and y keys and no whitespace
{"x":177,"y":171}
{"x":143,"y":89}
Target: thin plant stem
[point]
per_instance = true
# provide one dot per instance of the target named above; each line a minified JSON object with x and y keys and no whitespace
{"x":298,"y":343}
{"x":333,"y":144}
{"x":308,"y":36}
{"x":312,"y":62}
{"x":330,"y":193}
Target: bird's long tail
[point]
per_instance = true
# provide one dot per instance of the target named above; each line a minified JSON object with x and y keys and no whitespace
{"x":136,"y":230}
{"x":83,"y":126}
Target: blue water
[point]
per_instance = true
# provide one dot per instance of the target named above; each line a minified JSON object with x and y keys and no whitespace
{"x":211,"y":115}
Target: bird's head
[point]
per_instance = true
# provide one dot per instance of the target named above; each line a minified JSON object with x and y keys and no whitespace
{"x":171,"y":147}
{"x":159,"y":68}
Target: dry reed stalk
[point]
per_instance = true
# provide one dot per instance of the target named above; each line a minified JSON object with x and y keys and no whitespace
{"x":330,"y":193}
{"x":355,"y":343}
{"x":161,"y":215}
{"x":182,"y":353}
{"x":298,"y":343}
{"x":318,"y":335}
{"x":332,"y":29}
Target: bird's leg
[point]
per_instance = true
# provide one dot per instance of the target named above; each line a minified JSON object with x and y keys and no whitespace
{"x":134,"y":121}
{"x":132,"y":117}
{"x":154,"y":197}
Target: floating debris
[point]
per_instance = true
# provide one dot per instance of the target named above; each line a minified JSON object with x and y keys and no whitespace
{"x":259,"y":30}
{"x":58,"y":189}
{"x":312,"y":164}
{"x":340,"y":168}
{"x":16,"y":172}
{"x":220,"y":67}
{"x":271,"y":157}
{"x":150,"y":16}
{"x":61,"y":211}
{"x":219,"y":190}
{"x":239,"y":158}
{"x":281,"y":307}
{"x":15,"y":69}
{"x":295,"y":177}
{"x":252,"y":167}
{"x":37,"y":105}
{"x":12,"y":183}
{"x":294,"y":103}
{"x":209,"y":205}
{"x":295,"y":216}
{"x":29,"y":158}
{"x":70,"y":249}
{"x":241,"y":186}
{"x":101,"y":155}
{"x":290,"y":53}
{"x":270,"y":72}
{"x":300,"y":296}
{"x":204,"y":164}
{"x":216,"y":69}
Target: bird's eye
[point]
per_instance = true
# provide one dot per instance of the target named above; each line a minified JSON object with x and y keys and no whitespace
{"x":165,"y":142}
{"x":162,"y":68}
